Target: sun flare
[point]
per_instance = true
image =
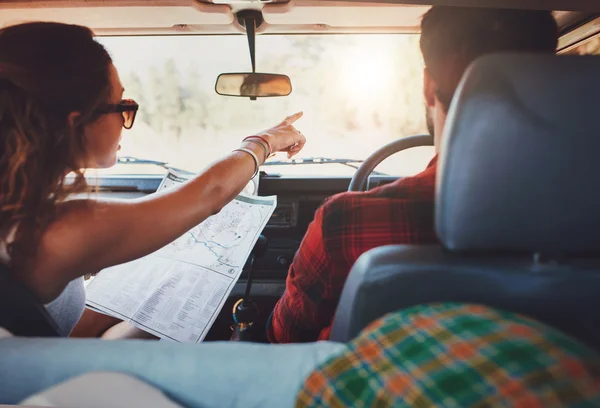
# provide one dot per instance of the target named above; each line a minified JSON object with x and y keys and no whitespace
{"x":364,"y":78}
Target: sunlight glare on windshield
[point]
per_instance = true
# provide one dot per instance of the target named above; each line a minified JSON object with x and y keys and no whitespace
{"x":367,"y":77}
{"x":358,"y":92}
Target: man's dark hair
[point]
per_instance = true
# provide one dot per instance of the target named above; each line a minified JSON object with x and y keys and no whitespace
{"x":453,"y":37}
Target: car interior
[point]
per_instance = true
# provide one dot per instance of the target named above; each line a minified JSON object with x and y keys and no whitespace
{"x":518,"y":236}
{"x":524,"y":245}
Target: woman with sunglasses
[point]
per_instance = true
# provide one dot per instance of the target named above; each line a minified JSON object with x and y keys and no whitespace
{"x":61,"y":111}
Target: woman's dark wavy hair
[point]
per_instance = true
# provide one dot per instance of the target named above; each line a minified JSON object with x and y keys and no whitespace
{"x":47,"y":70}
{"x":453,"y":37}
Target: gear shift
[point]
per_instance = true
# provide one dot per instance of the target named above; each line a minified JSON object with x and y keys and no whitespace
{"x":245,"y":311}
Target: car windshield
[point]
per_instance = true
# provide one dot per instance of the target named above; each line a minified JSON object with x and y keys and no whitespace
{"x":358,"y":92}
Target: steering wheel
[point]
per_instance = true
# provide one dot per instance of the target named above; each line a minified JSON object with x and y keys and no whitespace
{"x":359,"y":181}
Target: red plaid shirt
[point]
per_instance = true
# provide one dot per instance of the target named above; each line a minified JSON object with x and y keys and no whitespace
{"x":345,"y":227}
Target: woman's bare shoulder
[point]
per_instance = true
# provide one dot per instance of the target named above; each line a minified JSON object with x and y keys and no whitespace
{"x":82,"y":208}
{"x":67,"y":246}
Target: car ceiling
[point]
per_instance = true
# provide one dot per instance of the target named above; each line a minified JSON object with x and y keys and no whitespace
{"x":147,"y":17}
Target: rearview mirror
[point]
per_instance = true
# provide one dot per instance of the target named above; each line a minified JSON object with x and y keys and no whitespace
{"x":253,"y":84}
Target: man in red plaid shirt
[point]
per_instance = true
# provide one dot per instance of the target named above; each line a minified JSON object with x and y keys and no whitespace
{"x":350,"y":224}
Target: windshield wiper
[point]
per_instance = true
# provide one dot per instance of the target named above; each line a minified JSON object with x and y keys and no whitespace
{"x":137,"y":160}
{"x":288,"y":162}
{"x":320,"y":160}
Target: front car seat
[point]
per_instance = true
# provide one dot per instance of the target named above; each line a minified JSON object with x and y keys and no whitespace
{"x":517,"y":204}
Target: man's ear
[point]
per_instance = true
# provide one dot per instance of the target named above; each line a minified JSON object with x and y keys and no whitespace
{"x":429,"y":88}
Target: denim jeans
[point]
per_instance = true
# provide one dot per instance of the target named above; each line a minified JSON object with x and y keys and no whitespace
{"x":219,"y":374}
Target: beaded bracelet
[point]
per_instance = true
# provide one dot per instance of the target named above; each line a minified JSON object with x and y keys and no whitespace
{"x":251,"y":153}
{"x":261,"y":144}
{"x":264,"y":139}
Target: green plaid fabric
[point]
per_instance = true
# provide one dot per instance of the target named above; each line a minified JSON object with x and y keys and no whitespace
{"x":455,"y":355}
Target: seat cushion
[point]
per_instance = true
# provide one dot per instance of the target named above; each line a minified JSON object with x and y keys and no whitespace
{"x":387,"y":279}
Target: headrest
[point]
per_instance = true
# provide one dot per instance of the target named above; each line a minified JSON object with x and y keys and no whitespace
{"x":520,"y":162}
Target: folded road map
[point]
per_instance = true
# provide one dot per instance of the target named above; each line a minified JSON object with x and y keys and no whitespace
{"x":177,"y":292}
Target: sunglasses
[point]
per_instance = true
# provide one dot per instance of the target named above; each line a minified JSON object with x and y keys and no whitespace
{"x":127,"y":107}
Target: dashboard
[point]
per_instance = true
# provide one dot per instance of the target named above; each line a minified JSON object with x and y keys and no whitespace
{"x":297,"y":200}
